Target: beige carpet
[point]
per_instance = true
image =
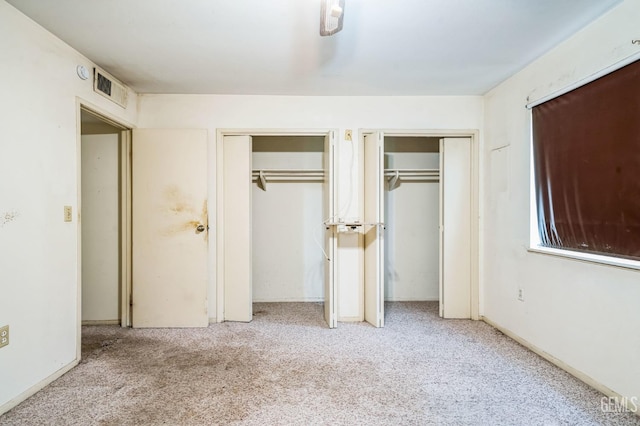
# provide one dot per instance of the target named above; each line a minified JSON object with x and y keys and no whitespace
{"x":287,"y":368}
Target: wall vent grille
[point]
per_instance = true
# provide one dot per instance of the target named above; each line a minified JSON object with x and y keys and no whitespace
{"x":107,"y":86}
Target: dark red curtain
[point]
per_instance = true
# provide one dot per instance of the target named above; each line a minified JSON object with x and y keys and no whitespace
{"x":586,"y":149}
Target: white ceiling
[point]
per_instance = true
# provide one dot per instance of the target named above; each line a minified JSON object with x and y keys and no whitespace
{"x":387,"y":47}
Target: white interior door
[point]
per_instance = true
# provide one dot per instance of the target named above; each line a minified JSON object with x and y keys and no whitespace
{"x":169,"y":229}
{"x":236,"y":231}
{"x":330,"y":294}
{"x":374,"y":234}
{"x":455,"y":227}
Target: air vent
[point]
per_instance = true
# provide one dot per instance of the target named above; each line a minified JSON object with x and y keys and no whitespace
{"x":109,"y":87}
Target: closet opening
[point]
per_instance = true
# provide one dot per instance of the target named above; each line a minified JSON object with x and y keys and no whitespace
{"x":275,"y":203}
{"x":411,"y":212}
{"x":420,"y":201}
{"x":287,"y":219}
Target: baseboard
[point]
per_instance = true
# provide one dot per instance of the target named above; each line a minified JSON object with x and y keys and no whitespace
{"x":563,"y":365}
{"x":101,"y":322}
{"x":350,"y":319}
{"x":307,"y":300}
{"x":38,"y":386}
{"x":412,"y":300}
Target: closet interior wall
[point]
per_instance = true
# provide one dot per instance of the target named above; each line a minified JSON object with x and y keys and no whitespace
{"x":287,"y":219}
{"x":411,"y":218}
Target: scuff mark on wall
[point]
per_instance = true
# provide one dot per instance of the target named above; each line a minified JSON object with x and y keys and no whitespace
{"x":8,"y":217}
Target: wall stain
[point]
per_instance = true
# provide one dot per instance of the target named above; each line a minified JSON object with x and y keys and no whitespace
{"x":8,"y":217}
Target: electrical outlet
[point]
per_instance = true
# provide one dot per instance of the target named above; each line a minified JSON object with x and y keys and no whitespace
{"x":521,"y":295}
{"x":68,"y":212}
{"x":4,"y":336}
{"x":348,"y":135}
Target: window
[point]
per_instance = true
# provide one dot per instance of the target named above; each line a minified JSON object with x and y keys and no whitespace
{"x":586,"y":156}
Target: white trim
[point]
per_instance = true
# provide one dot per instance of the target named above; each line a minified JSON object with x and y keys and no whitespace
{"x":101,"y":322}
{"x":560,"y":364}
{"x":37,"y":387}
{"x":441,"y":234}
{"x":294,"y":300}
{"x":125,"y":227}
{"x":587,"y":257}
{"x":350,"y":319}
{"x":608,"y":70}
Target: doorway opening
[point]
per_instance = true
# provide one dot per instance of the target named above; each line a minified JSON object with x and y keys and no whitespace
{"x":105,"y":220}
{"x":274,"y":205}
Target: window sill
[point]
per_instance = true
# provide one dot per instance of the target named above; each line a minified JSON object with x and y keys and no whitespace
{"x":587,"y":257}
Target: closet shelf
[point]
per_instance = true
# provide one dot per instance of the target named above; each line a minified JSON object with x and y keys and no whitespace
{"x":262,"y":176}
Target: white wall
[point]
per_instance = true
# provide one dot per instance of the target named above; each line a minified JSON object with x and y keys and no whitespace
{"x":39,"y":272}
{"x":320,"y":112}
{"x":100,"y":228}
{"x":586,"y":315}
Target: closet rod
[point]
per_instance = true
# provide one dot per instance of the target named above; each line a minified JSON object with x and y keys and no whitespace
{"x":261,"y":176}
{"x":395,"y":176}
{"x":287,"y":171}
{"x":421,"y":172}
{"x":412,"y":173}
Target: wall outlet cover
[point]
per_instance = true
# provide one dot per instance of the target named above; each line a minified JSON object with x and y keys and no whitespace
{"x":4,"y":336}
{"x":68,"y":214}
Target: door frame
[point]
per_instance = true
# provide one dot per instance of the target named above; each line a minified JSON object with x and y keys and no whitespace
{"x":474,"y":135}
{"x":219,"y":197}
{"x":125,"y":210}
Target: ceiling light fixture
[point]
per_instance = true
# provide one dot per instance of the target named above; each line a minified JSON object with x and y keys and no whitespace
{"x":331,"y":15}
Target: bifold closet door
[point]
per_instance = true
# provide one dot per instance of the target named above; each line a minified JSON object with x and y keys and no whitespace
{"x":330,"y":243}
{"x":455,"y":228}
{"x":373,"y":229}
{"x":169,"y":229}
{"x":237,"y":264}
